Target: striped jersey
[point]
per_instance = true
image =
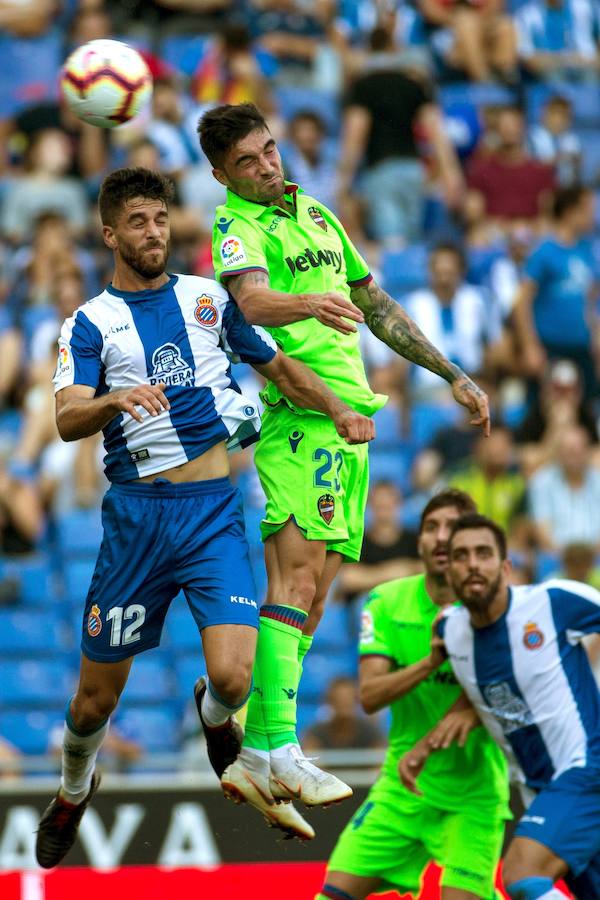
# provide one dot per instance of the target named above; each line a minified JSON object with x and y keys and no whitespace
{"x":185,"y":334}
{"x":529,"y":677}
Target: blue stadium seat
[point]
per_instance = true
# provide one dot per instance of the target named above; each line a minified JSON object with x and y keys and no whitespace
{"x":35,"y":682}
{"x":405,"y":270}
{"x":156,"y":728}
{"x":183,"y":51}
{"x":30,"y":731}
{"x":150,"y":681}
{"x":295,"y":99}
{"x":585,"y":99}
{"x":388,"y":425}
{"x":77,"y":575}
{"x":188,"y":669}
{"x":36,"y":579}
{"x":307,"y":715}
{"x":427,"y":420}
{"x":474,"y":94}
{"x":33,"y":631}
{"x":320,"y":668}
{"x":391,"y":465}
{"x":590,"y":155}
{"x":79,"y":532}
{"x":335,"y":630}
{"x":480,"y":260}
{"x":181,"y":632}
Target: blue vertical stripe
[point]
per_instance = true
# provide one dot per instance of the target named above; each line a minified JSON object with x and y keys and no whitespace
{"x":498,"y":686}
{"x":86,"y":348}
{"x":117,"y":461}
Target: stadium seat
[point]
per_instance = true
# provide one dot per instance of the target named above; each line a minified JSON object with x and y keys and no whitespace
{"x":150,"y":681}
{"x":480,"y":261}
{"x":188,"y":669}
{"x":156,"y":728}
{"x":29,"y":731}
{"x":28,"y":633}
{"x":335,"y":630}
{"x":584,"y":98}
{"x":34,"y":682}
{"x":308,"y":714}
{"x":474,"y":94}
{"x":321,"y":668}
{"x":391,"y":465}
{"x":77,"y":574}
{"x":295,"y":99}
{"x":37,"y":584}
{"x":388,"y":427}
{"x":183,"y":52}
{"x":405,"y":270}
{"x":590,"y":155}
{"x":427,"y":420}
{"x":180,"y":631}
{"x":79,"y":532}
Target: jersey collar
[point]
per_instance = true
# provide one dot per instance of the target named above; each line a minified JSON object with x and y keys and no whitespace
{"x":137,"y":296}
{"x":256,"y":210}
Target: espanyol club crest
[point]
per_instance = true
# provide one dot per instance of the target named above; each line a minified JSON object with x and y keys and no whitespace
{"x":94,"y":622}
{"x":533,"y":638}
{"x":206,"y":312}
{"x":317,"y":217}
{"x":326,"y":507}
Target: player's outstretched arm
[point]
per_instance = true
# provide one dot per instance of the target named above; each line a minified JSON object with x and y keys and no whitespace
{"x":305,"y":389}
{"x":392,"y":325}
{"x":79,"y":414}
{"x":263,"y":306}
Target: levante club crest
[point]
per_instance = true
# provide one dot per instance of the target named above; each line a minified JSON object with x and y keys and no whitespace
{"x":317,"y":217}
{"x":533,"y":638}
{"x":326,"y":507}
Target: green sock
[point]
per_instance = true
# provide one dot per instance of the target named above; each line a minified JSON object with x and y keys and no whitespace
{"x":255,"y":736}
{"x":303,"y":648}
{"x":277,"y":657}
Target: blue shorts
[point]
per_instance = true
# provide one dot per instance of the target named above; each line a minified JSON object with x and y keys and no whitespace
{"x":161,"y":537}
{"x":565,"y":817}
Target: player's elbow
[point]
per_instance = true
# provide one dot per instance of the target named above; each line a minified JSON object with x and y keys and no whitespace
{"x":367,"y":701}
{"x":66,"y":429}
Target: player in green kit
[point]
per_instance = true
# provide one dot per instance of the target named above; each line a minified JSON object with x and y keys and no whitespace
{"x":289,"y":264}
{"x":459,"y":819}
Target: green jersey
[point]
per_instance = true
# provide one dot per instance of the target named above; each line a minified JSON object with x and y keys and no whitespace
{"x":397,"y":622}
{"x":303,"y":249}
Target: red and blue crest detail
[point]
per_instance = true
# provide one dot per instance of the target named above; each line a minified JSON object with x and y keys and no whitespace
{"x":533,"y":637}
{"x":206,"y":313}
{"x":326,"y":507}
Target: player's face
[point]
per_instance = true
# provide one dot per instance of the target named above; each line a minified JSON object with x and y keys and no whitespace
{"x":433,"y":540}
{"x":476,"y":570}
{"x":141,"y":236}
{"x":252,"y":168}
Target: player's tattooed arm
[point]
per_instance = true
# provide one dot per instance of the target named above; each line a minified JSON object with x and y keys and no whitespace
{"x":392,"y":324}
{"x":263,"y":306}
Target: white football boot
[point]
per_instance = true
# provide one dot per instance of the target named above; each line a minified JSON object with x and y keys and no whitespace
{"x":293,"y":776}
{"x":247,"y":781}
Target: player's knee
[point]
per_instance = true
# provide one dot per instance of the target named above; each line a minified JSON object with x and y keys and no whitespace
{"x":92,"y":706}
{"x":232,"y":682}
{"x":301,"y":587}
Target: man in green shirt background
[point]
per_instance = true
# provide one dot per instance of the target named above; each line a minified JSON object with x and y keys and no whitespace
{"x":459,"y":819}
{"x":290,"y":266}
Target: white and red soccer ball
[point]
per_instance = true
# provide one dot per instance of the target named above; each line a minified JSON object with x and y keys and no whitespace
{"x":106,"y":83}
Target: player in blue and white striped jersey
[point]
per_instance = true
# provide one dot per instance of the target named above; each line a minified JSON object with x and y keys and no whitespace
{"x":148,"y":363}
{"x":518,"y":655}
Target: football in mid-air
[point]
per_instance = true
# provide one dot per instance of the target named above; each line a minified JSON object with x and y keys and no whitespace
{"x":106,"y":83}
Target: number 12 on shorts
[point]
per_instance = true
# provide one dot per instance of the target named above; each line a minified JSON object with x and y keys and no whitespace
{"x":135,"y":614}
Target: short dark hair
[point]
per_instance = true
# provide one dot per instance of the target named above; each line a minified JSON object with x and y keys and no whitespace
{"x":567,"y":198}
{"x":222,"y":127}
{"x":308,"y":115}
{"x":125,"y":184}
{"x":449,"y":247}
{"x":462,"y":501}
{"x":474,"y":520}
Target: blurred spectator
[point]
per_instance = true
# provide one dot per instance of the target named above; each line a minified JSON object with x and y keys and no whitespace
{"x":564,"y":496}
{"x":21,"y":516}
{"x":580,"y":563}
{"x":345,"y":727}
{"x":309,"y":159}
{"x":553,"y":141}
{"x":388,"y":550}
{"x":229,"y":71}
{"x":44,"y":187}
{"x":11,"y":349}
{"x":558,"y":39}
{"x":457,"y":317}
{"x":383,"y":108}
{"x":506,"y":270}
{"x":555,"y":310}
{"x":492,"y":479}
{"x":173,"y":127}
{"x":559,"y":405}
{"x":512,"y":183}
{"x":10,"y":757}
{"x":475,"y":37}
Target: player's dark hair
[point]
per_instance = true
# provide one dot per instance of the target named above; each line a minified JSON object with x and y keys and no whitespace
{"x":222,"y":127}
{"x":308,"y":115}
{"x":474,"y":520}
{"x":454,"y":249}
{"x":567,"y":198}
{"x":125,"y":184}
{"x":460,"y":500}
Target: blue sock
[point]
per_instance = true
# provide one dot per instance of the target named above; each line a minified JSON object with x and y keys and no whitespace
{"x":334,"y":893}
{"x":532,"y":889}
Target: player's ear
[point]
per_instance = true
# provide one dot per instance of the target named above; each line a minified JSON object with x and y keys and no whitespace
{"x":221,"y":177}
{"x":109,"y":238}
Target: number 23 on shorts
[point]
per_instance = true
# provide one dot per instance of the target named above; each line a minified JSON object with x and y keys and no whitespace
{"x":327,"y":473}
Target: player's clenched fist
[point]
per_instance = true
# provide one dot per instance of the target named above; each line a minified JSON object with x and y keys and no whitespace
{"x":149,"y":396}
{"x":333,"y":309}
{"x":354,"y":427}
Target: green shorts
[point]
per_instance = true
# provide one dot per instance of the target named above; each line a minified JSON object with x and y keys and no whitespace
{"x":311,"y":475}
{"x":393,"y":836}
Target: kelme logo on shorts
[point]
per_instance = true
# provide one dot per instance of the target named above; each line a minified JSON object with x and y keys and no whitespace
{"x":94,"y":622}
{"x":326,"y":507}
{"x":311,"y":259}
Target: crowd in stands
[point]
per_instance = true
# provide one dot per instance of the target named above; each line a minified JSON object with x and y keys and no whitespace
{"x":459,"y":142}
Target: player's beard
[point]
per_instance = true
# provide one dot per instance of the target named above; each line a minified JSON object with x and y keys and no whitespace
{"x":140,"y":262}
{"x":480,"y":602}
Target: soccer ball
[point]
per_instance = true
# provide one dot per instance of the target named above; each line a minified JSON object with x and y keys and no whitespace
{"x":106,"y":83}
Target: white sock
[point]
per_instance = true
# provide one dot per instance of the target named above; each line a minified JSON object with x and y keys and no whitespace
{"x":78,"y":762}
{"x":284,"y":752}
{"x":264,"y":755}
{"x":215,"y":712}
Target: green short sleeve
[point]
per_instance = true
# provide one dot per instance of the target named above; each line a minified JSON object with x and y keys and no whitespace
{"x":239,"y":249}
{"x":373,"y":640}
